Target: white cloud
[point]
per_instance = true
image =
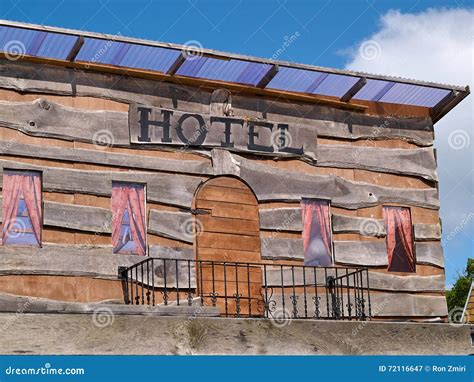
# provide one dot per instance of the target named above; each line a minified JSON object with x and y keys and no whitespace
{"x":435,"y":45}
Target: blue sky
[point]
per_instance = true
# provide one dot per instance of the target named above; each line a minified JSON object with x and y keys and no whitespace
{"x":416,"y":39}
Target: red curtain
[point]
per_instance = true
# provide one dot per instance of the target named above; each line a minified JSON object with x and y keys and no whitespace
{"x":316,"y":231}
{"x":16,"y":184}
{"x":32,"y":197}
{"x":129,"y":197}
{"x":401,"y":256}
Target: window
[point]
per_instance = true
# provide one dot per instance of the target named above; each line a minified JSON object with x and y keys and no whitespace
{"x":22,"y":208}
{"x":128,"y":218}
{"x":317,"y":240}
{"x":401,"y":257}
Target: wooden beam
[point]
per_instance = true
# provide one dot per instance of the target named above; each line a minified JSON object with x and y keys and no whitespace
{"x":353,"y":90}
{"x":104,"y":158}
{"x":290,"y":185}
{"x":427,"y":231}
{"x":272,"y":72}
{"x":361,"y":253}
{"x":176,"y":64}
{"x":75,"y":49}
{"x":359,"y":225}
{"x":448,"y":103}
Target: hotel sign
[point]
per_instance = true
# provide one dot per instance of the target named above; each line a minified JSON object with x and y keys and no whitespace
{"x":151,"y":125}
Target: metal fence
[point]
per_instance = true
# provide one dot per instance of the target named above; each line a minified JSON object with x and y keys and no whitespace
{"x":241,"y":289}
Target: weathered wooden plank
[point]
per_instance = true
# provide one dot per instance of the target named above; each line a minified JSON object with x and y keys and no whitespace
{"x":175,"y":225}
{"x":274,"y":184}
{"x":92,"y":261}
{"x":42,"y":118}
{"x":281,"y":219}
{"x":417,"y":162}
{"x":14,"y":303}
{"x":106,"y":158}
{"x":427,"y":231}
{"x":377,"y":280}
{"x":362,"y":226}
{"x":361,"y":253}
{"x":273,"y":248}
{"x":331,"y":122}
{"x":429,"y":253}
{"x":162,"y":188}
{"x":73,"y":216}
{"x":408,"y":305}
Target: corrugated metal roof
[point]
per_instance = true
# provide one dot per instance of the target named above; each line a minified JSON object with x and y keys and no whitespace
{"x":243,"y":72}
{"x":55,"y":43}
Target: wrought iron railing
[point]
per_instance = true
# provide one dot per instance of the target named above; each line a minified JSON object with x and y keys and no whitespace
{"x":240,"y":289}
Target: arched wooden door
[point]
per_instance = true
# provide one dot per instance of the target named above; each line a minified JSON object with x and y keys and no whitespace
{"x":227,"y":244}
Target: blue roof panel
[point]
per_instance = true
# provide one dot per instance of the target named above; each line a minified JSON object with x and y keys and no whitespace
{"x":296,"y":80}
{"x":127,"y":55}
{"x":244,"y":72}
{"x":35,"y":43}
{"x":117,"y":51}
{"x":408,"y":94}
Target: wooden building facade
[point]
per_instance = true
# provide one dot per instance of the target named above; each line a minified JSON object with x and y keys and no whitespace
{"x":105,"y":164}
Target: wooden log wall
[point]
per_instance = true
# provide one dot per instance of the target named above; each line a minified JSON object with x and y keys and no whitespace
{"x":73,"y":126}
